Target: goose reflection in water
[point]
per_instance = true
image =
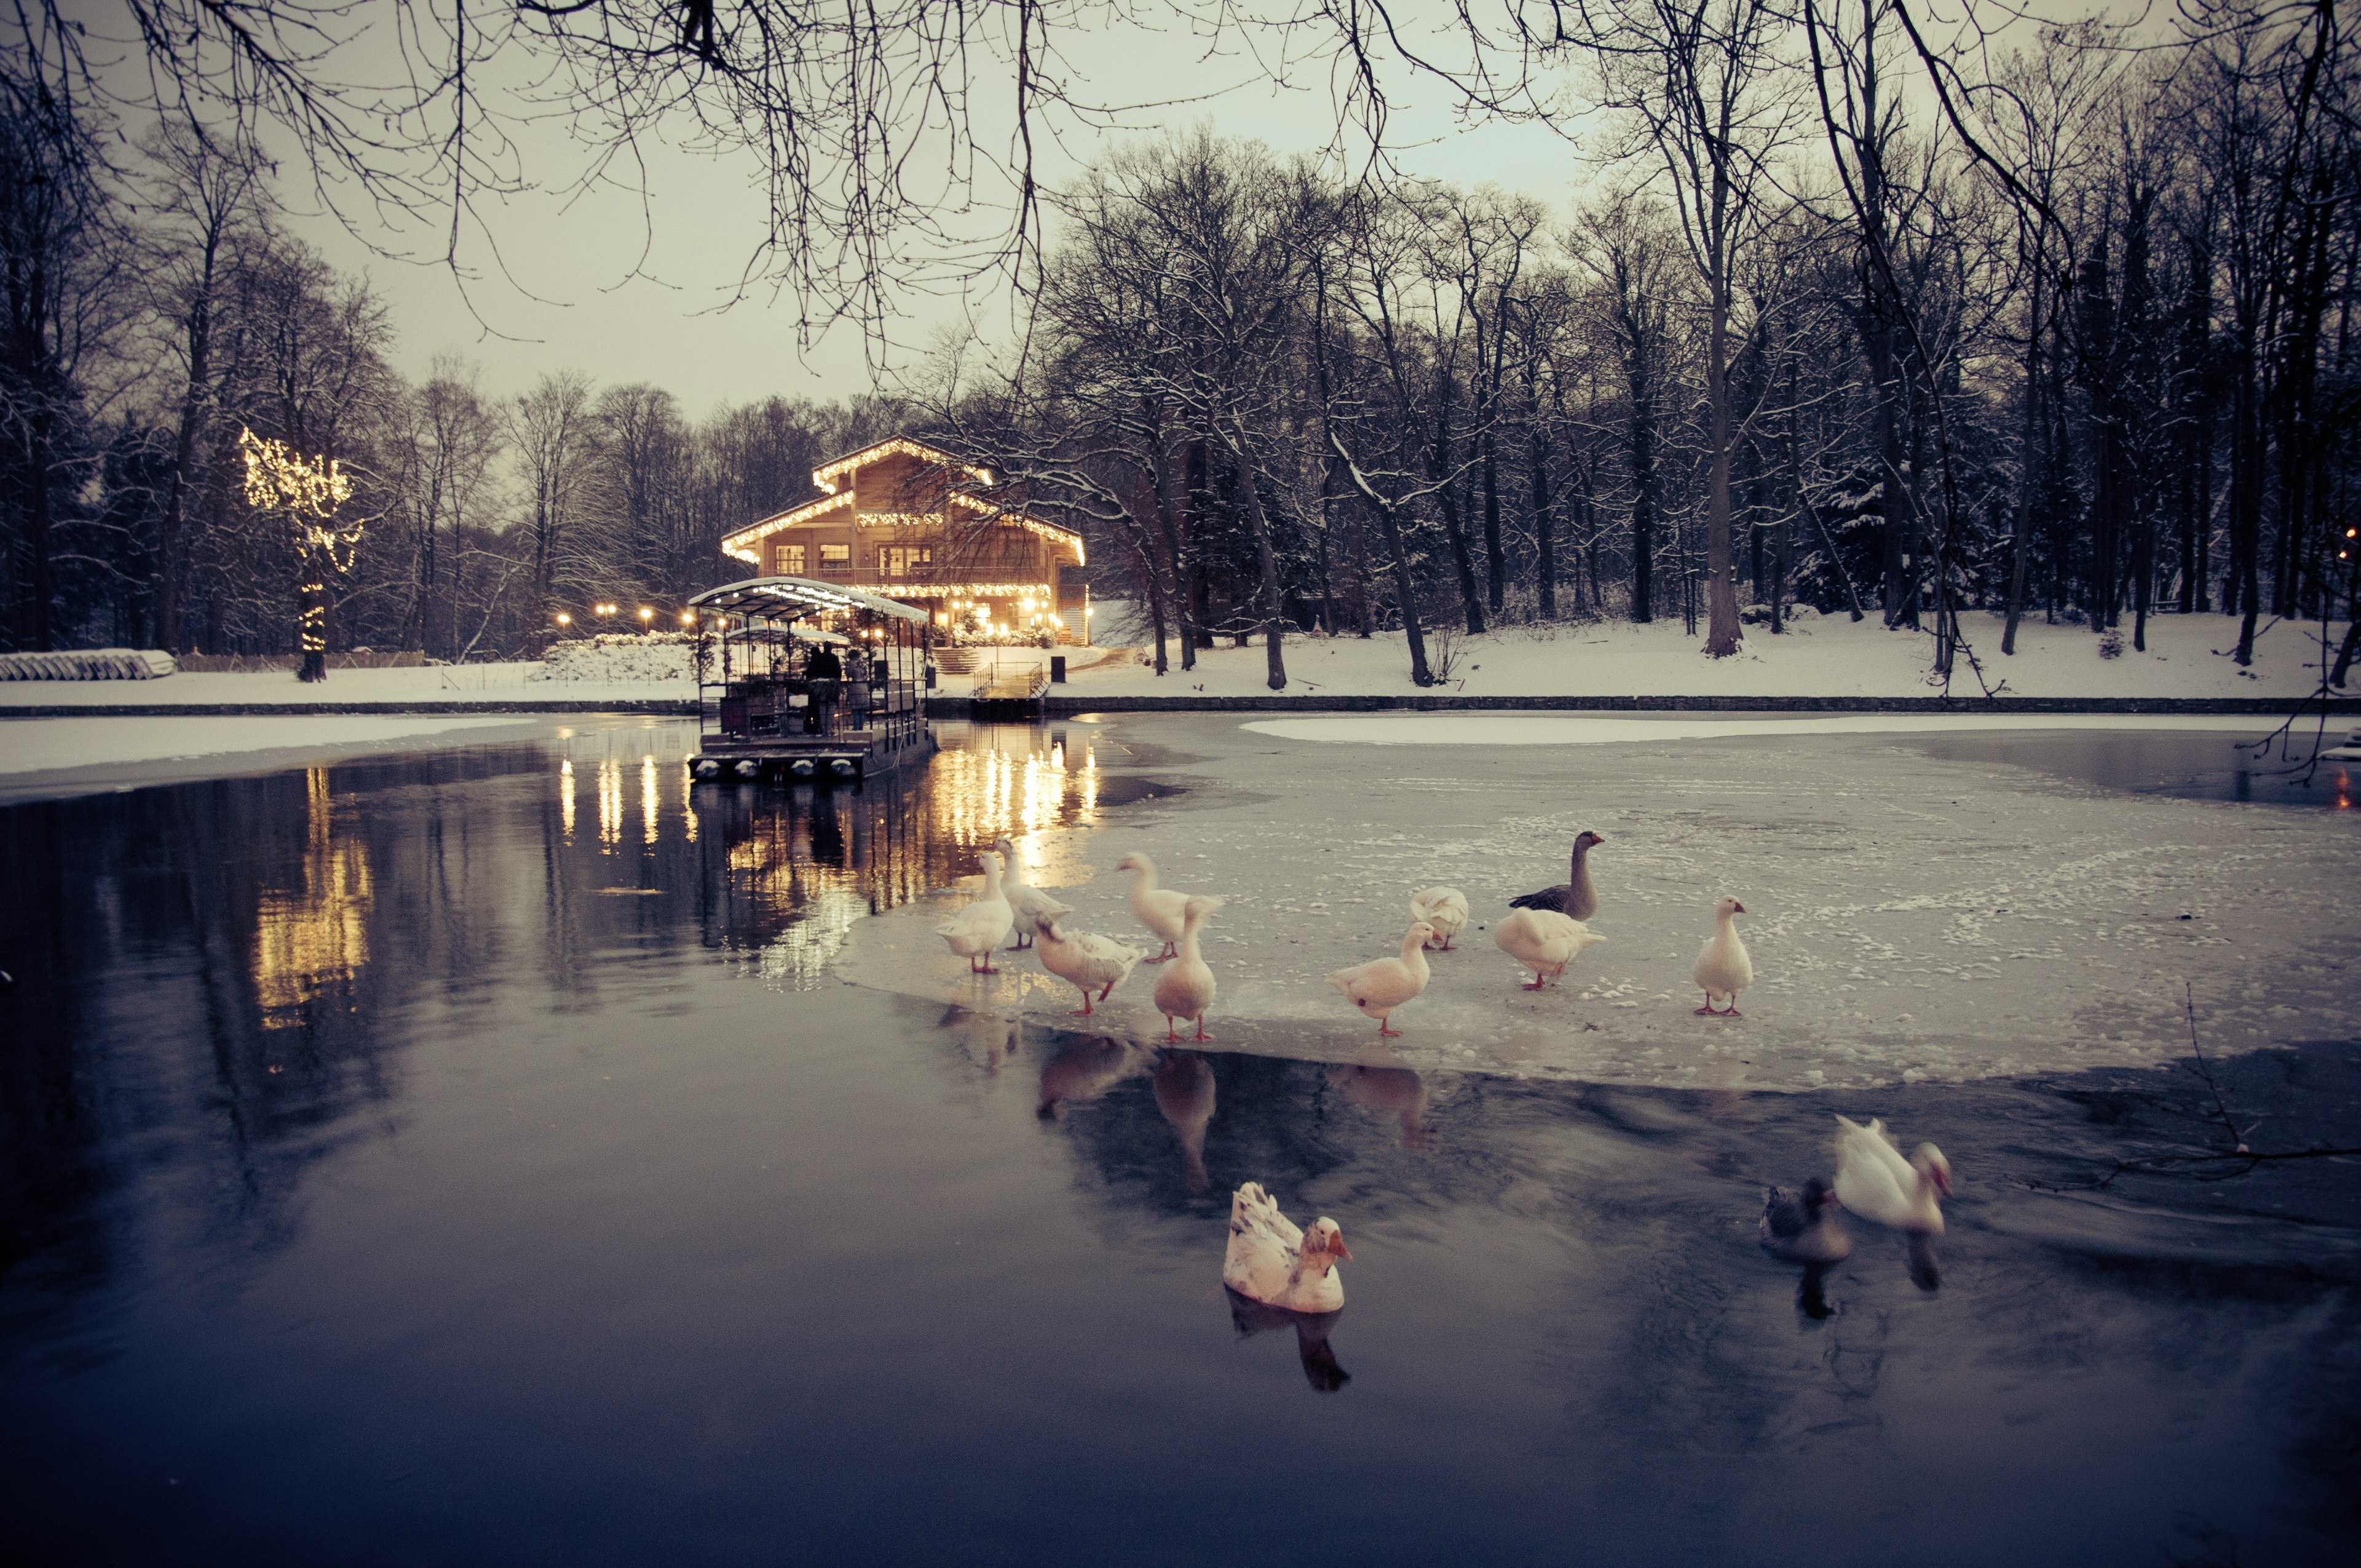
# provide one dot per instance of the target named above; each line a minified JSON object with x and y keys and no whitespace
{"x":1251,"y":1316}
{"x":1084,"y":1069}
{"x":988,"y":1038}
{"x":1389,"y":1090}
{"x":1184,"y":1093}
{"x":1925,"y":1270}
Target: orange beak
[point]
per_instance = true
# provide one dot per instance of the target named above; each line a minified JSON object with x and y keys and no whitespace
{"x":1337,"y":1249}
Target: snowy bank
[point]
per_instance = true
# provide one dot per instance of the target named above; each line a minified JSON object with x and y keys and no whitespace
{"x":2187,"y":656}
{"x":508,"y":684}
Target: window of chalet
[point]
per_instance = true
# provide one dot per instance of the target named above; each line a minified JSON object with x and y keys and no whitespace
{"x":835,"y":555}
{"x":898,"y":561}
{"x":787,"y":560}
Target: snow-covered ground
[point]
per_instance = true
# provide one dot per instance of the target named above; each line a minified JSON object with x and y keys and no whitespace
{"x":2188,"y":656}
{"x":511,"y":683}
{"x":42,"y":745}
{"x":1911,"y":916}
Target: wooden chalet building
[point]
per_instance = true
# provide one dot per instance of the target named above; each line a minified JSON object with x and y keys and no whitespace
{"x":898,"y":522}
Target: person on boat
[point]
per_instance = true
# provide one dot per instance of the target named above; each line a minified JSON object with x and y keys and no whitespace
{"x":823,"y":671}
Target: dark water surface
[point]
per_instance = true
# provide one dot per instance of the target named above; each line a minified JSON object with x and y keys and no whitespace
{"x":2187,"y":764}
{"x":473,"y":1158}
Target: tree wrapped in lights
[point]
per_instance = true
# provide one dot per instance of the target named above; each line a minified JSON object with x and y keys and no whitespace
{"x":306,"y":492}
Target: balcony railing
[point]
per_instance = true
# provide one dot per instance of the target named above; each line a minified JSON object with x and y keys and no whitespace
{"x":1021,"y":581}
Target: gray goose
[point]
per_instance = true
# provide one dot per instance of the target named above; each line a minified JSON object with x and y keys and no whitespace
{"x":1575,"y":898}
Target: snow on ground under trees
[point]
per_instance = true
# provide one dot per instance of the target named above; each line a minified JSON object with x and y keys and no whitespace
{"x":1827,"y":656}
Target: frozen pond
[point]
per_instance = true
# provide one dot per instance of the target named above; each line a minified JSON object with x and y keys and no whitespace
{"x":1927,"y":900}
{"x":511,"y":1154}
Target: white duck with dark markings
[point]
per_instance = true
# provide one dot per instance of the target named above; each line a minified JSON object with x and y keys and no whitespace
{"x":1271,"y":1261}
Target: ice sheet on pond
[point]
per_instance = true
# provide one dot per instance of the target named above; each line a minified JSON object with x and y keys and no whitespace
{"x":1590,"y":730}
{"x":1910,"y":918}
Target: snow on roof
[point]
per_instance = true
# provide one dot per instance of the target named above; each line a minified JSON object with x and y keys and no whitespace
{"x":797,"y":596}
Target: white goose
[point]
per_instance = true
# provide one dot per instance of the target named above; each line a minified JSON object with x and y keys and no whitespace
{"x":1085,"y":961}
{"x":1029,"y":904}
{"x":1160,"y":909}
{"x":1543,"y":941}
{"x":1379,"y":986}
{"x":1272,"y":1261}
{"x":1444,"y":908}
{"x":1723,"y":968}
{"x":1187,"y":989}
{"x":1874,"y":1181}
{"x":979,"y":928}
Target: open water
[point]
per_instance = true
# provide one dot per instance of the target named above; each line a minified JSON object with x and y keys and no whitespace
{"x":479,"y":1157}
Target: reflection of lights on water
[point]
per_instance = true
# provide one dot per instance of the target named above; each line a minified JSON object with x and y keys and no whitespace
{"x":803,"y":864}
{"x":611,"y":801}
{"x":984,"y":790}
{"x":306,"y":941}
{"x":565,"y":797}
{"x":648,"y":799}
{"x":687,"y":805}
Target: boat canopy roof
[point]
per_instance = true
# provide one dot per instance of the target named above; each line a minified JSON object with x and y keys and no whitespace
{"x":784,"y":634}
{"x":786,"y":597}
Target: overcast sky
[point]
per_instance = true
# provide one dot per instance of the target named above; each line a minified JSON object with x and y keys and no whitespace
{"x":706,"y":215}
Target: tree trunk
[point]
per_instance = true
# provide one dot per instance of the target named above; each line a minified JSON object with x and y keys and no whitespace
{"x":1438,"y":470}
{"x":1544,"y":527}
{"x":1721,"y":589}
{"x":2035,"y":476}
{"x":1242,"y":466}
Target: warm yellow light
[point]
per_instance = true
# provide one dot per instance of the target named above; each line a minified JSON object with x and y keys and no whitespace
{"x":942,"y":619}
{"x":646,"y":614}
{"x":1091,"y":610}
{"x":1028,"y":603}
{"x":563,"y":618}
{"x":689,"y":618}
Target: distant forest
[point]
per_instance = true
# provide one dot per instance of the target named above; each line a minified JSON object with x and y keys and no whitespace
{"x":2084,"y":354}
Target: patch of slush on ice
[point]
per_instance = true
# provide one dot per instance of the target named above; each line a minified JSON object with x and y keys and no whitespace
{"x":1570,"y":730}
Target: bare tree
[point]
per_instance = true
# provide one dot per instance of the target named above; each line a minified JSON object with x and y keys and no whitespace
{"x":1703,"y":81}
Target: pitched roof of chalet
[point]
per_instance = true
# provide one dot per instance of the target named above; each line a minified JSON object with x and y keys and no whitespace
{"x":794,"y":596}
{"x":830,"y":475}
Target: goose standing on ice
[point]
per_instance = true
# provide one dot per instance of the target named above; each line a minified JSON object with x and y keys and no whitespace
{"x":1574,"y":897}
{"x":974,"y":932}
{"x":1160,"y":909}
{"x":1874,"y":1181}
{"x":1084,"y":960}
{"x":1029,"y":905}
{"x":1444,"y":908}
{"x":1272,"y":1261}
{"x":1187,"y":989}
{"x":1722,"y":967}
{"x":1379,"y":986}
{"x":1543,"y":941}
